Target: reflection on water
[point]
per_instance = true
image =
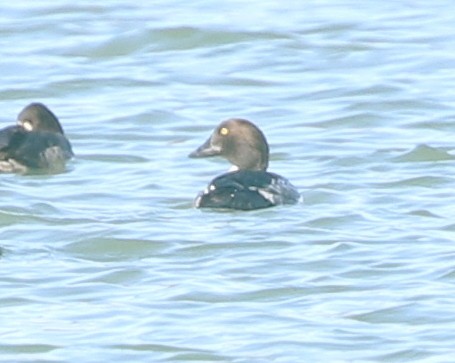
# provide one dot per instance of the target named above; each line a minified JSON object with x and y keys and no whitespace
{"x":111,"y":260}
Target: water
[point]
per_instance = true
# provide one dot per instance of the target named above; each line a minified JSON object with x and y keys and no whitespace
{"x":110,"y":261}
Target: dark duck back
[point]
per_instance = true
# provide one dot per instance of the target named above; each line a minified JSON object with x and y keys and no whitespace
{"x":37,"y":142}
{"x":249,"y":186}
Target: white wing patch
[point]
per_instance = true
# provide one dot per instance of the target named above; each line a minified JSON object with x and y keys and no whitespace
{"x":279,"y":191}
{"x":268,"y":195}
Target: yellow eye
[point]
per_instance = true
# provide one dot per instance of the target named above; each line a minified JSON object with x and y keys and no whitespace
{"x":224,"y":131}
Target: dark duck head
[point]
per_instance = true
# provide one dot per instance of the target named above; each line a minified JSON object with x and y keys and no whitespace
{"x":37,"y":117}
{"x":240,"y":142}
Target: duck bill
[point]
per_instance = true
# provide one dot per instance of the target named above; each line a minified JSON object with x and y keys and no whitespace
{"x":206,"y":150}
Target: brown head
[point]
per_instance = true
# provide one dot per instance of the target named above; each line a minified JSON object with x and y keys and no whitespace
{"x":37,"y":117}
{"x":239,"y":141}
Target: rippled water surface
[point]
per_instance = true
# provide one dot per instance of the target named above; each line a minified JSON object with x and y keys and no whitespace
{"x":109,"y":262}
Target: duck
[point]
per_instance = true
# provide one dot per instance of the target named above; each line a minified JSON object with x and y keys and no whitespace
{"x":36,"y":142}
{"x":247,"y":185}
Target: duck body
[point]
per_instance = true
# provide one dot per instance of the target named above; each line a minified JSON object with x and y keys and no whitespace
{"x":37,"y":142}
{"x":247,"y":190}
{"x":249,"y":186}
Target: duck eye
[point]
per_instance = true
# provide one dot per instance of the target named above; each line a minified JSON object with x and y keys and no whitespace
{"x":224,"y":131}
{"x":26,"y":124}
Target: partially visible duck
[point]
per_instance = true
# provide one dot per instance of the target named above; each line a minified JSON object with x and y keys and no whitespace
{"x":37,"y":142}
{"x":248,"y":185}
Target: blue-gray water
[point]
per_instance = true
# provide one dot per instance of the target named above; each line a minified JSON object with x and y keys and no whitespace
{"x":110,"y":262}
